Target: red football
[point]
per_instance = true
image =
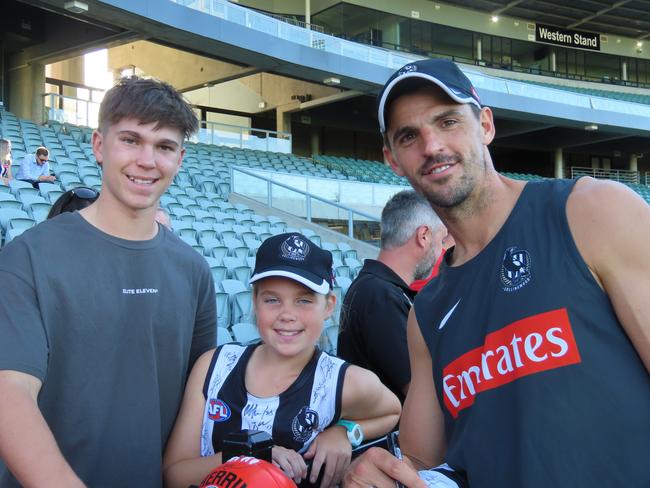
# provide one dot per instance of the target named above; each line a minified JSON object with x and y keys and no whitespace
{"x":247,"y":472}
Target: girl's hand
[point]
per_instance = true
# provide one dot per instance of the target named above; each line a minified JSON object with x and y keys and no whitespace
{"x":332,"y":448}
{"x":290,"y":462}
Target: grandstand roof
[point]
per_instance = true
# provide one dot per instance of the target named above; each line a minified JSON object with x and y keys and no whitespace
{"x":630,"y":18}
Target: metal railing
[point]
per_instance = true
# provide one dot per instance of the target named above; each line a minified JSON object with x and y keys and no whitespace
{"x":221,"y":134}
{"x":293,"y":33}
{"x":71,"y":110}
{"x":622,"y":175}
{"x":299,"y":23}
{"x":77,"y":111}
{"x":380,"y":56}
{"x":301,"y":204}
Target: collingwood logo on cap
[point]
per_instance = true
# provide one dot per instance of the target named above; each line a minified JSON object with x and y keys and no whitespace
{"x":407,"y":69}
{"x":294,"y":247}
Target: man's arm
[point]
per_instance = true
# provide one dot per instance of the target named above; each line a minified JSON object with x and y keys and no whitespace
{"x":45,"y":173}
{"x":26,"y":168}
{"x":27,"y":445}
{"x":611,"y":227}
{"x":422,"y":436}
{"x":422,"y":428}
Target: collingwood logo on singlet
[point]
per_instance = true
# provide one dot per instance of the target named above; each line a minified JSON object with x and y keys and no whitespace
{"x":515,"y":269}
{"x":304,"y":424}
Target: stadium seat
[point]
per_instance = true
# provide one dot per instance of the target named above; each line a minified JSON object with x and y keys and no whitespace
{"x":44,"y":188}
{"x":338,"y":292}
{"x":329,"y":338}
{"x":13,"y":233}
{"x":189,"y":239}
{"x":15,"y":185}
{"x":219,"y":273}
{"x":245,"y":333}
{"x":232,"y":287}
{"x":342,"y":271}
{"x":206,"y":233}
{"x":39,"y":210}
{"x":242,"y":307}
{"x":231,"y":263}
{"x":346,"y":250}
{"x":209,"y":243}
{"x":53,"y":195}
{"x":7,"y":197}
{"x":344,"y":282}
{"x":336,"y":252}
{"x":223,"y":309}
{"x":8,"y":214}
{"x":212,"y":261}
{"x":242,"y":273}
{"x":219,"y":252}
{"x":28,"y":199}
{"x":223,"y":336}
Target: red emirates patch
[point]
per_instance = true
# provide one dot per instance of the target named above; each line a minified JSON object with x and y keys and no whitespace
{"x":528,"y":346}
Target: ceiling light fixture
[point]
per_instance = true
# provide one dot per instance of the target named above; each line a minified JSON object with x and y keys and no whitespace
{"x":332,"y":81}
{"x":76,"y":7}
{"x":495,"y":18}
{"x":591,"y":127}
{"x":639,"y":44}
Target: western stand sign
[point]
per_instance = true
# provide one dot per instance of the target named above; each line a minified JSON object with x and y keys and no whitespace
{"x":559,"y":36}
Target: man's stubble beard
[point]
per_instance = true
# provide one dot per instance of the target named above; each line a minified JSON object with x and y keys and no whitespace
{"x":463,"y":187}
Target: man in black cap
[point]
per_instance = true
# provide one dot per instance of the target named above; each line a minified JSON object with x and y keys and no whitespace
{"x":537,"y":330}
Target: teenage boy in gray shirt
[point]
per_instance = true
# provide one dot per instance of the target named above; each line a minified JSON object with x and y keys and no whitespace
{"x":103,"y":311}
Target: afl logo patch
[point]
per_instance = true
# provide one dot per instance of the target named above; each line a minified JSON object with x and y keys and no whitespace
{"x":515,"y":269}
{"x":295,"y":248}
{"x":218,"y":411}
{"x":304,"y":424}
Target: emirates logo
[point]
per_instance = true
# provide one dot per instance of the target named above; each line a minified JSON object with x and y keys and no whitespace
{"x":528,"y":346}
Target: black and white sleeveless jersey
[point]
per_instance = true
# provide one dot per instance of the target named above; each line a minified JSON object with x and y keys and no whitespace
{"x":293,"y":418}
{"x":539,"y":383}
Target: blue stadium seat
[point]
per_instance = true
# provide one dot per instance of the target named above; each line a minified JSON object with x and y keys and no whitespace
{"x":245,"y":333}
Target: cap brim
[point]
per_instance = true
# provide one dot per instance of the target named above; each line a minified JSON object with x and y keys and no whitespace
{"x":423,"y":76}
{"x":309,"y":280}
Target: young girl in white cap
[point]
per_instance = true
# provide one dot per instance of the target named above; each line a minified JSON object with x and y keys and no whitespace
{"x":315,"y":406}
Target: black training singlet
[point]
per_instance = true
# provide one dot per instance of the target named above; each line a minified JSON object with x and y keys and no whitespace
{"x":539,"y":384}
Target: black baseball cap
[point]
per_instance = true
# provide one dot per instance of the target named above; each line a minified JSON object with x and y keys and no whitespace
{"x":294,"y":256}
{"x":441,"y":72}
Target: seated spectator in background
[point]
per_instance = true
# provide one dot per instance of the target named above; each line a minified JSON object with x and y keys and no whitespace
{"x":5,"y":161}
{"x":162,"y":217}
{"x":284,"y":385}
{"x":35,"y":168}
{"x":73,"y":200}
{"x":377,"y":304}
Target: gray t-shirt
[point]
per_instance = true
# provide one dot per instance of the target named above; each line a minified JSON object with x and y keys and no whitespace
{"x":110,"y":327}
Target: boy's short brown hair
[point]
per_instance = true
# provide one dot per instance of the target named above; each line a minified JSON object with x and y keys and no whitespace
{"x":147,"y":100}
